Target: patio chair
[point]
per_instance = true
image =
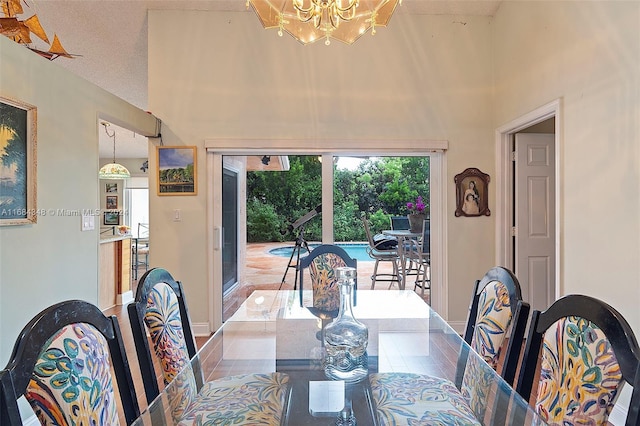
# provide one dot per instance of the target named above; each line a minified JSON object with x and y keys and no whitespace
{"x":419,"y":257}
{"x":382,"y":251}
{"x":322,"y":262}
{"x":589,"y":352}
{"x":161,"y":310}
{"x":399,"y":222}
{"x":402,"y":223}
{"x":64,"y":363}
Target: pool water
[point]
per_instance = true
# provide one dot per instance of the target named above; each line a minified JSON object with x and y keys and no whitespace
{"x":355,"y":250}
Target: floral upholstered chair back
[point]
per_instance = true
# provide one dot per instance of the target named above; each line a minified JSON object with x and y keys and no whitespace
{"x":326,"y":294}
{"x":72,"y":381}
{"x":580,"y":375}
{"x":492,"y":324}
{"x":163,"y":320}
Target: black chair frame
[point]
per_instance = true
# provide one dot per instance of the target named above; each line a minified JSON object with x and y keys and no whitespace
{"x":520,"y":315}
{"x":306,"y":261}
{"x":136,"y":311}
{"x":15,"y":378}
{"x":613,"y":325}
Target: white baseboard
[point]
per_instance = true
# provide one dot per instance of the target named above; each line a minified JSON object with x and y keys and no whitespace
{"x":201,"y":329}
{"x":124,"y":298}
{"x":31,"y":421}
{"x":458,"y":326}
{"x":618,"y":416}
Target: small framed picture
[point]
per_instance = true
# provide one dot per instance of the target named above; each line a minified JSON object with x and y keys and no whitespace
{"x":472,"y":193}
{"x":112,"y":202}
{"x":110,"y":188}
{"x":177,"y":172}
{"x":112,"y":218}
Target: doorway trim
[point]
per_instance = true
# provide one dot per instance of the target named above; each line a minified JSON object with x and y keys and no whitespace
{"x":216,"y":148}
{"x":504,"y":182}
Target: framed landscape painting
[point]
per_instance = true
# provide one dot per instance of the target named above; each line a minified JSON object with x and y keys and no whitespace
{"x":177,"y":170}
{"x":18,"y":163}
{"x":111,"y":187}
{"x":111,"y":218}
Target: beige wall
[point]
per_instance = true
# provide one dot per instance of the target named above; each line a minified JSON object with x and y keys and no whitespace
{"x":437,"y":78}
{"x":53,"y":260}
{"x":588,"y":55}
{"x":428,"y":79}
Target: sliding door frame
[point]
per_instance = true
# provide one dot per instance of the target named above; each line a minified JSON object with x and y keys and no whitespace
{"x":436,"y":150}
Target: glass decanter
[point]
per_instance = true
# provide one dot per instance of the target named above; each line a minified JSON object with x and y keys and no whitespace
{"x":345,"y":338}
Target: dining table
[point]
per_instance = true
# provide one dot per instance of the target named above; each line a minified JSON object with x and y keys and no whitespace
{"x":272,"y":332}
{"x":404,"y":237}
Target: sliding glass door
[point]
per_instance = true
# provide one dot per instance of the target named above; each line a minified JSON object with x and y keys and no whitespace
{"x":229,"y":229}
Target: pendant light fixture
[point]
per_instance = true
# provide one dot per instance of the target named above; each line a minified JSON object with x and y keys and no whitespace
{"x":311,"y":20}
{"x":113,"y":170}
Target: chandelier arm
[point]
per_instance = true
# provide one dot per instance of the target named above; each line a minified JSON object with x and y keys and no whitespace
{"x":305,"y":19}
{"x":353,"y":4}
{"x":341,"y":14}
{"x":305,"y":14}
{"x":335,"y":23}
{"x":306,"y":10}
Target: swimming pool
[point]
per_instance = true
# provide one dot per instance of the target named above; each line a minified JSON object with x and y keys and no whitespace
{"x":357,"y":251}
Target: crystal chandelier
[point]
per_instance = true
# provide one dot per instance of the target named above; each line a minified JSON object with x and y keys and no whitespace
{"x":310,"y":20}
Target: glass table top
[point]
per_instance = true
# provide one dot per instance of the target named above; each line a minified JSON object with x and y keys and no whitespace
{"x":271,"y":332}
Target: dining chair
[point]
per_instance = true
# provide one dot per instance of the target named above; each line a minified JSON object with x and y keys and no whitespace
{"x":497,"y":318}
{"x":382,"y":251}
{"x":160,"y":310}
{"x":588,"y":352}
{"x":419,"y":257}
{"x":63,"y":363}
{"x":495,"y":329}
{"x":321,"y":264}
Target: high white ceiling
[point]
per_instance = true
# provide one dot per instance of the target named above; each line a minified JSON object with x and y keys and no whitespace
{"x":111,"y":37}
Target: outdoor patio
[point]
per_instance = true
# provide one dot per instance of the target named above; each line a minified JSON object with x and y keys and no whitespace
{"x":264,"y":271}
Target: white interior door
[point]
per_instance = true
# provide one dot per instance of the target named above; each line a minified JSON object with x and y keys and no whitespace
{"x":534,"y":217}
